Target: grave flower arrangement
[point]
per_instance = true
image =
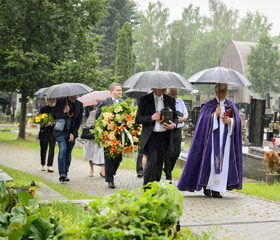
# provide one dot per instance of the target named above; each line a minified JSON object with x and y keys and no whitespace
{"x":43,"y":119}
{"x":116,"y":130}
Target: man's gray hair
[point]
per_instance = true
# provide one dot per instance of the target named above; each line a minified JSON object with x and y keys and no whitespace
{"x":113,"y":86}
{"x":172,"y":89}
{"x":220,"y":86}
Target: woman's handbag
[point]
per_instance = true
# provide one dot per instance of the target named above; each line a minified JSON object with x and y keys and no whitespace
{"x":86,"y":134}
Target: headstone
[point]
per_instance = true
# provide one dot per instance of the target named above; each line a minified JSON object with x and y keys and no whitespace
{"x":256,"y":123}
{"x":188,"y":104}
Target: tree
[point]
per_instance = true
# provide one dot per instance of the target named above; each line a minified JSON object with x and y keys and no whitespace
{"x":39,"y":38}
{"x":252,"y":26}
{"x":173,"y":54}
{"x":118,"y":12}
{"x":124,"y":53}
{"x":151,"y":34}
{"x":263,"y":66}
{"x":181,"y":55}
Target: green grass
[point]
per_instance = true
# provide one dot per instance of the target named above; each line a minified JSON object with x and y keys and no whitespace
{"x":20,"y":176}
{"x":256,"y":189}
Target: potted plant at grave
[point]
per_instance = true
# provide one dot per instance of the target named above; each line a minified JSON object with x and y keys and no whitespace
{"x":271,"y":160}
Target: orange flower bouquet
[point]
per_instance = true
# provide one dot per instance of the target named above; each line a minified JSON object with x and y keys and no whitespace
{"x":116,"y":130}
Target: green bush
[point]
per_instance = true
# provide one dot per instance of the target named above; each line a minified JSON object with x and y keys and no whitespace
{"x":148,"y":213}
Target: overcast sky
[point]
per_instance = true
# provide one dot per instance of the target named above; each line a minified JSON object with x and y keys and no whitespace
{"x":269,"y":8}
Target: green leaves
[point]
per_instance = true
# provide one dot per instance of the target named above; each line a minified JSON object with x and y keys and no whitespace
{"x":144,"y":214}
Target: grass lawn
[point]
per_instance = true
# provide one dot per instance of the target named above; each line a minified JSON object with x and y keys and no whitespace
{"x":255,"y":189}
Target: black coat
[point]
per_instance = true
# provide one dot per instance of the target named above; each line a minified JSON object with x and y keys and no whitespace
{"x":146,"y":108}
{"x":46,"y":133}
{"x":106,"y":102}
{"x":77,"y":117}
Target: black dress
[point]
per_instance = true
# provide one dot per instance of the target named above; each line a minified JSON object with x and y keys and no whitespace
{"x":47,"y":139}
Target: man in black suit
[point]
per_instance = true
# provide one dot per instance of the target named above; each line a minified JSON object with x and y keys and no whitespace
{"x":156,"y":138}
{"x":111,"y":164}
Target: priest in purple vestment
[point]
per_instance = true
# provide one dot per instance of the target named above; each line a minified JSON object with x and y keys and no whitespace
{"x":214,"y":160}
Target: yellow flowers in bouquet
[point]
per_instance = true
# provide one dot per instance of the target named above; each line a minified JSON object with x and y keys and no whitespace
{"x":115,"y":130}
{"x":43,"y":119}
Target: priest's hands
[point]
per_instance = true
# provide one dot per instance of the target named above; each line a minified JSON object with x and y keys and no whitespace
{"x":218,"y":111}
{"x":227,"y":120}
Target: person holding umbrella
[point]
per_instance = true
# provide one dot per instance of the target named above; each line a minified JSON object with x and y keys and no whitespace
{"x":155,"y":137}
{"x":214,"y":160}
{"x":70,"y":110}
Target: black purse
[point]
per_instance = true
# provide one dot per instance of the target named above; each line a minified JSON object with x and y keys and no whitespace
{"x":86,"y":134}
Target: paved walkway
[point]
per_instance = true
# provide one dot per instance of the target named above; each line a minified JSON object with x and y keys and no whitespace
{"x":244,"y":217}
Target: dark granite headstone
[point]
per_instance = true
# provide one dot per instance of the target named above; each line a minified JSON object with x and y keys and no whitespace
{"x":256,"y":122}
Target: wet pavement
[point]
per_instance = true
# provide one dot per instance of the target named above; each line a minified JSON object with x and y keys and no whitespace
{"x":240,"y":216}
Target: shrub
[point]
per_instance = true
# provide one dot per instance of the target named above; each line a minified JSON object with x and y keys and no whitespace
{"x":149,"y":213}
{"x":271,"y":160}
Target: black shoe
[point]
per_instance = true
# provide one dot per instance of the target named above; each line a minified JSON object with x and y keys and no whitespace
{"x":139,"y":175}
{"x":67,"y":179}
{"x":102,"y":175}
{"x":111,"y":185}
{"x":62,"y":177}
{"x":50,"y":170}
{"x":216,"y":194}
{"x":207,"y":192}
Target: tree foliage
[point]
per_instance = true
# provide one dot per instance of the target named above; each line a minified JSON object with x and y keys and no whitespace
{"x":118,"y":12}
{"x":40,"y":37}
{"x":263,"y":66}
{"x":124,"y":53}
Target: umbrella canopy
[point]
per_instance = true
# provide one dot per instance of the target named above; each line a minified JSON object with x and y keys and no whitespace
{"x":91,"y":98}
{"x":157,"y":79}
{"x":219,"y":75}
{"x":65,"y":90}
{"x":40,"y":91}
{"x":137,"y":93}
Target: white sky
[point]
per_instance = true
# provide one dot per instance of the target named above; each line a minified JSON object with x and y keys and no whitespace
{"x":269,"y":8}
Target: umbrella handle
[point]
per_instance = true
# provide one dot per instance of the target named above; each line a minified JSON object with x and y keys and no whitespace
{"x":225,"y":114}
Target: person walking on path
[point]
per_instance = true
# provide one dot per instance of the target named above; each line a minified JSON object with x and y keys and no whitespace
{"x":46,"y":137}
{"x":155,"y":137}
{"x":92,"y":152}
{"x":215,"y":156}
{"x":182,"y":115}
{"x":111,"y":164}
{"x":71,"y":111}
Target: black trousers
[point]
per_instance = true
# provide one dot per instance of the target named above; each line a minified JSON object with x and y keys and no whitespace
{"x":43,"y":152}
{"x":139,"y":167}
{"x":170,"y":163}
{"x":111,"y":167}
{"x":156,"y":150}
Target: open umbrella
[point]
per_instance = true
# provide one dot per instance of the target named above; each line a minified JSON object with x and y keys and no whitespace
{"x":40,"y":91}
{"x":91,"y":98}
{"x":65,"y":90}
{"x":219,"y":75}
{"x":137,"y":93}
{"x":157,"y":79}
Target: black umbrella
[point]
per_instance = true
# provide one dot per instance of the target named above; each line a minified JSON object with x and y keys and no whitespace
{"x":157,"y":79}
{"x":137,"y":93}
{"x":219,"y":75}
{"x":65,"y":90}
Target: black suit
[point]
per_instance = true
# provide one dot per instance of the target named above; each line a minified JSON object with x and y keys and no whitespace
{"x":155,"y":144}
{"x":111,"y":164}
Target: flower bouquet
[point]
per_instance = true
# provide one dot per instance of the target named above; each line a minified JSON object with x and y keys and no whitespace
{"x":116,"y":130}
{"x":43,"y":119}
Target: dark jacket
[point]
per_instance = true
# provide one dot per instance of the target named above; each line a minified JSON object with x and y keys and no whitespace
{"x":146,"y":108}
{"x":106,"y":102}
{"x":76,"y":119}
{"x":46,"y":133}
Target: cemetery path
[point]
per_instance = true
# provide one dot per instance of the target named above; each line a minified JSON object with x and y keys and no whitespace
{"x":244,"y":217}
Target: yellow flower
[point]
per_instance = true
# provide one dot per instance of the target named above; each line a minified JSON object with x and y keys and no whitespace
{"x":135,"y":139}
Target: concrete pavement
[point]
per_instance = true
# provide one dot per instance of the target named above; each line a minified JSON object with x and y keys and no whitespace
{"x":241,"y":216}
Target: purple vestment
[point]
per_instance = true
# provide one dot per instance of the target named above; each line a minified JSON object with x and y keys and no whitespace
{"x":197,"y":168}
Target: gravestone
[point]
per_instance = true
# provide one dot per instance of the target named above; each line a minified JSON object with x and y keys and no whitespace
{"x":256,"y":122}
